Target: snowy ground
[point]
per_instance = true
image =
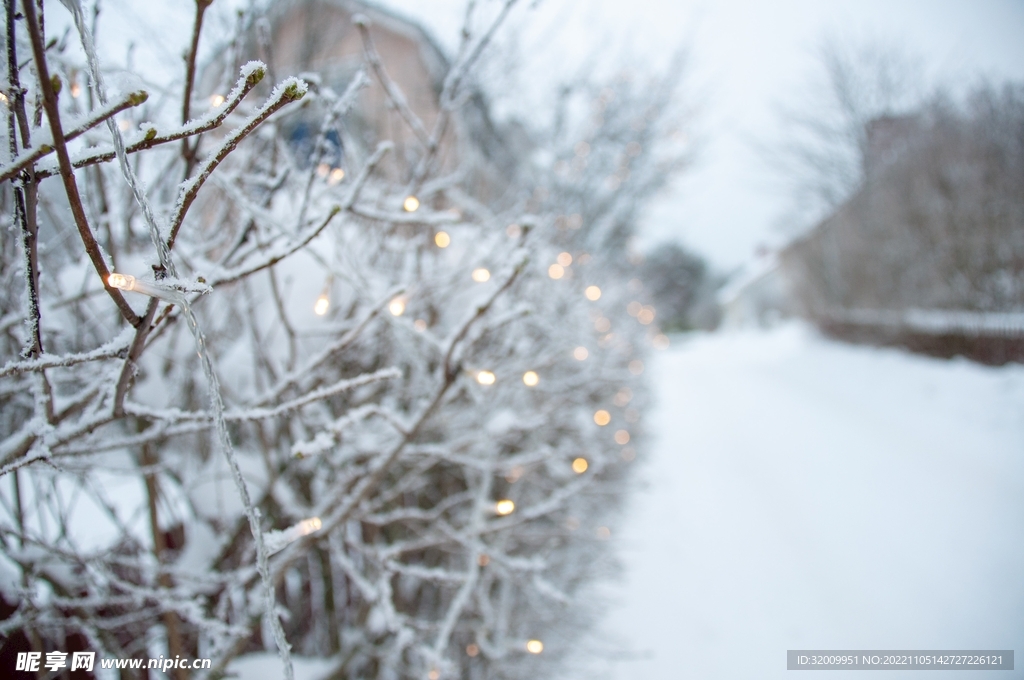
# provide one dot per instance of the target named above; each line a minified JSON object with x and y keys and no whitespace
{"x":805,"y":494}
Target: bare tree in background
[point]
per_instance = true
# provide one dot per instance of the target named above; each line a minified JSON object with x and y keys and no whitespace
{"x":824,"y":146}
{"x":266,"y":395}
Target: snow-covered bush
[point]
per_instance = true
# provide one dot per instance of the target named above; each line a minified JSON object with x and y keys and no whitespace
{"x":266,"y":395}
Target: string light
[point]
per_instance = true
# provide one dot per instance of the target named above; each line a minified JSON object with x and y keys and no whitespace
{"x":580,"y":353}
{"x":534,"y":646}
{"x":411,"y":204}
{"x":483,"y":560}
{"x":602,"y":417}
{"x":76,"y":90}
{"x":556,"y":271}
{"x":564,"y":259}
{"x":530,"y":379}
{"x":216,"y":100}
{"x":504,"y":507}
{"x":646,"y":315}
{"x":322,"y":304}
{"x":513,"y":475}
{"x":602,"y":325}
{"x":3,"y":98}
{"x":480,"y":275}
{"x":485,"y":377}
{"x":278,"y":540}
{"x":634,"y":308}
{"x":636,"y":367}
{"x":623,"y":397}
{"x":472,"y":650}
{"x":628,"y":454}
{"x":603,"y":533}
{"x":621,"y":437}
{"x":124,"y":125}
{"x":580,"y":465}
{"x":660,"y":341}
{"x":323,"y":169}
{"x":420,"y":325}
{"x":336,"y":176}
{"x":169,"y":292}
{"x":434,"y":674}
{"x":397,"y":306}
{"x":514,"y":231}
{"x":593,"y":293}
{"x":442,"y":239}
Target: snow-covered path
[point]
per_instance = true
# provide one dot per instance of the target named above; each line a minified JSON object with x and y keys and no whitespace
{"x":805,"y":494}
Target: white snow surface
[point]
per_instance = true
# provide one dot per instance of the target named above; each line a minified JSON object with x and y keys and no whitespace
{"x":800,"y":493}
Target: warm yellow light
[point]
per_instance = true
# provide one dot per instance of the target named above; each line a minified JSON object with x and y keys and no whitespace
{"x":621,"y":437}
{"x":472,"y":650}
{"x":514,"y":231}
{"x":411,"y":204}
{"x":534,"y":646}
{"x":483,"y":560}
{"x":580,"y":353}
{"x":660,"y":341}
{"x":76,"y":90}
{"x":602,"y":325}
{"x":485,"y":377}
{"x":124,"y":125}
{"x":336,"y":176}
{"x":442,"y":239}
{"x":504,"y":507}
{"x":564,"y":259}
{"x":480,"y":275}
{"x":3,"y":98}
{"x":308,"y":526}
{"x":646,"y":315}
{"x":530,"y":379}
{"x":634,"y":308}
{"x":121,"y":281}
{"x":604,"y":533}
{"x":397,"y":306}
{"x":323,"y":169}
{"x":580,"y":465}
{"x":434,"y":674}
{"x":602,"y":417}
{"x":623,"y":396}
{"x":636,"y":367}
{"x":593,"y":293}
{"x":420,"y":325}
{"x":323,"y":303}
{"x":556,"y":271}
{"x":216,"y":100}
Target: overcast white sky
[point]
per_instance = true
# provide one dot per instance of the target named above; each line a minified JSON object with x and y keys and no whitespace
{"x":747,"y":58}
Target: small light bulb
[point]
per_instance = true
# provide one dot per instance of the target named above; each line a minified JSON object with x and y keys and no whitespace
{"x":485,"y":378}
{"x":580,"y":465}
{"x":480,"y":275}
{"x":76,"y":90}
{"x":323,"y":303}
{"x":483,"y":560}
{"x":411,"y":204}
{"x":534,"y":646}
{"x":564,"y":259}
{"x":602,"y":417}
{"x":621,"y":437}
{"x":593,"y":293}
{"x":580,"y":353}
{"x":397,"y":306}
{"x":420,"y":325}
{"x":513,"y":230}
{"x":556,"y":271}
{"x":472,"y":650}
{"x":636,"y":367}
{"x":660,"y":341}
{"x":442,"y":239}
{"x":504,"y":507}
{"x":216,"y":100}
{"x":646,"y":315}
{"x":530,"y":378}
{"x":121,"y":281}
{"x":634,"y":308}
{"x":337,"y":174}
